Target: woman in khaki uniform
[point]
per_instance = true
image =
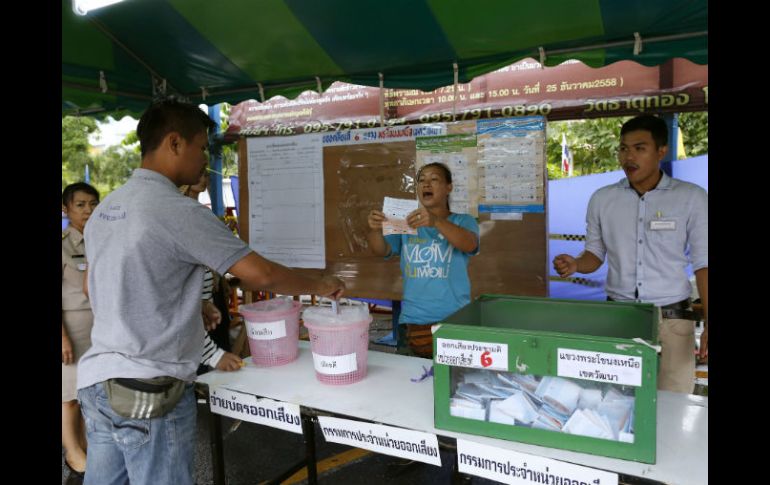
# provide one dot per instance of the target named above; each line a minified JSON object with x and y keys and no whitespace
{"x":78,"y":202}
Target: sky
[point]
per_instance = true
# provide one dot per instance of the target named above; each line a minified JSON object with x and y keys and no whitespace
{"x":112,"y":132}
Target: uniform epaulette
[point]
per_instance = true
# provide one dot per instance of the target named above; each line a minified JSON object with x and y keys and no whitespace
{"x":64,"y":234}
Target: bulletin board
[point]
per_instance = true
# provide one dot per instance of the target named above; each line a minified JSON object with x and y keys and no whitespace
{"x":513,"y":253}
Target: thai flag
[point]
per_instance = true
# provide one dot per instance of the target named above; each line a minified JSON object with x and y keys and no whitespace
{"x":566,"y":157}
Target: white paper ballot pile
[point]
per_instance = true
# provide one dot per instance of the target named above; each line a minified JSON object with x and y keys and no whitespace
{"x":604,"y":411}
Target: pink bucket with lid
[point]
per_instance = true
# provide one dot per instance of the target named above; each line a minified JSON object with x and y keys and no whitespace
{"x":272,"y":327}
{"x":339,"y":342}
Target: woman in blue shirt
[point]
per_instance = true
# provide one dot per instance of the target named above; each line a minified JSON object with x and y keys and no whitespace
{"x":434,"y":263}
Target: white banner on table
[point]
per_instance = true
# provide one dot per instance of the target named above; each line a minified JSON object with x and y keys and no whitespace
{"x":266,"y":330}
{"x":600,"y":366}
{"x":248,"y":407}
{"x":467,"y":353}
{"x":335,"y":364}
{"x":404,"y":443}
{"x":516,"y":468}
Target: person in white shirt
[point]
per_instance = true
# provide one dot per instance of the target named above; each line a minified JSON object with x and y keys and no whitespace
{"x":644,"y":225}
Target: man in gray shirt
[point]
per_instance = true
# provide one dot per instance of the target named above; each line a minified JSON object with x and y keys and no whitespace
{"x":645,"y":225}
{"x":148,"y":246}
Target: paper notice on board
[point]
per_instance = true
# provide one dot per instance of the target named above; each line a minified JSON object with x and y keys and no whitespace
{"x":286,"y":200}
{"x":458,"y":152}
{"x":396,"y":210}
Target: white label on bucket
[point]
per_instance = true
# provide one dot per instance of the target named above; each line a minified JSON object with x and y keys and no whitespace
{"x":388,"y":440}
{"x":466,"y":353}
{"x":335,"y":364}
{"x":248,"y":407}
{"x":267,"y":330}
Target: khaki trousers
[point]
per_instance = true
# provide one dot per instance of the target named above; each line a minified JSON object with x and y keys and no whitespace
{"x":677,"y":360}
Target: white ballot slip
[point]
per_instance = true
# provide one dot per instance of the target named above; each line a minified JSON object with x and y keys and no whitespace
{"x":396,"y":211}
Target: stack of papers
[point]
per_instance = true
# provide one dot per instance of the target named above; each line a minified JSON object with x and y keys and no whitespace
{"x":589,"y":423}
{"x":560,"y":393}
{"x":468,"y":409}
{"x":520,"y":407}
{"x":550,"y":403}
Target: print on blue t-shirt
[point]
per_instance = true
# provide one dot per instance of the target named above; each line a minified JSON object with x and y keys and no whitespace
{"x":435,"y":273}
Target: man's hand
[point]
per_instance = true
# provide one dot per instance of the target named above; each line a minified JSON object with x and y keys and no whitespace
{"x":229,"y":362}
{"x":565,"y":265}
{"x":703,"y":354}
{"x":211,"y":315}
{"x":331,"y":287}
{"x":67,"y":354}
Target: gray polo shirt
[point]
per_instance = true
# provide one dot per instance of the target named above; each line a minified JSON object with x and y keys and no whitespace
{"x":147,"y":247}
{"x":647,"y":239}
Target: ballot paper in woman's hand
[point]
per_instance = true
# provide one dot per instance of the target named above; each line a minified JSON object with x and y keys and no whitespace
{"x":396,"y":211}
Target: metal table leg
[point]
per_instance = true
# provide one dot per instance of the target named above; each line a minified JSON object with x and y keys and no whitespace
{"x":217,"y":447}
{"x":308,"y":434}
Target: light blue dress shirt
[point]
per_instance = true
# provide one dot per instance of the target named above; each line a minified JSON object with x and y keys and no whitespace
{"x":649,"y":240}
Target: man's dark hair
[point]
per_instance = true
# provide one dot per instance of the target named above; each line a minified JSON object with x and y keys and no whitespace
{"x":656,"y":126}
{"x":163,"y":117}
{"x":69,"y":192}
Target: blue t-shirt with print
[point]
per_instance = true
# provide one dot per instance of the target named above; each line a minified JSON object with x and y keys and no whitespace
{"x":435,"y":273}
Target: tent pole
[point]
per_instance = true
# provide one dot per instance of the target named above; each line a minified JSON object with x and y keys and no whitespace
{"x":672,"y":123}
{"x":215,"y":163}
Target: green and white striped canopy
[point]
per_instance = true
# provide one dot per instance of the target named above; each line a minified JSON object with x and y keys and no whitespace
{"x":120,"y":57}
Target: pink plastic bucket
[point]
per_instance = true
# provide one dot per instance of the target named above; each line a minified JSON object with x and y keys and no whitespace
{"x":273,"y":330}
{"x":339,"y":343}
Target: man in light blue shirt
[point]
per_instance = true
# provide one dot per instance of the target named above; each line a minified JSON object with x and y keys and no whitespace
{"x":644,"y":226}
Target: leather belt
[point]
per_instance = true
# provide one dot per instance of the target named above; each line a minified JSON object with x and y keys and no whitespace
{"x":680,"y":310}
{"x":679,"y":314}
{"x":161,"y":384}
{"x":680,"y":305}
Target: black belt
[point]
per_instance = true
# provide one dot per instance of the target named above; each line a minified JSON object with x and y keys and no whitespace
{"x":680,"y":305}
{"x":146,"y":385}
{"x":680,"y":310}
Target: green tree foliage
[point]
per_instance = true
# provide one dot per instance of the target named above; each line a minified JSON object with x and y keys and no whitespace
{"x":593,"y":143}
{"x":695,"y":131}
{"x":108,"y":170}
{"x":229,"y":151}
{"x":114,"y":165}
{"x":75,"y":148}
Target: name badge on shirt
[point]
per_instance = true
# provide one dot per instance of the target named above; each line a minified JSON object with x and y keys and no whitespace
{"x":663,"y":225}
{"x":80,"y":266}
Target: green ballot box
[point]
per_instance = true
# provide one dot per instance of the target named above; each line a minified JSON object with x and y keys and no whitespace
{"x":577,"y":375}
